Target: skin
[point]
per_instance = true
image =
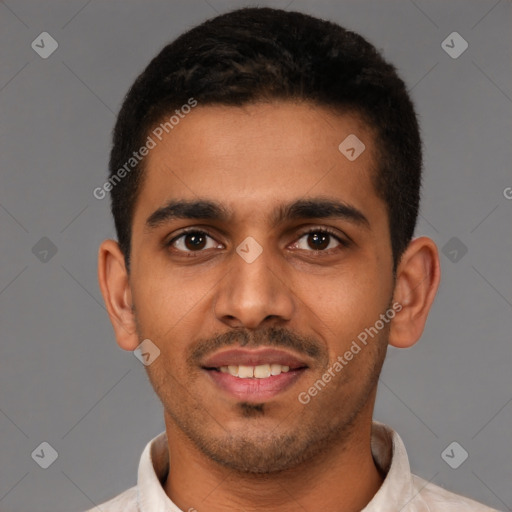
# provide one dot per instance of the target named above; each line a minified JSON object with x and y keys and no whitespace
{"x":280,"y":454}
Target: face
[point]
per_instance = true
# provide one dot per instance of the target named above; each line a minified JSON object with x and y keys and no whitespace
{"x":257,"y":245}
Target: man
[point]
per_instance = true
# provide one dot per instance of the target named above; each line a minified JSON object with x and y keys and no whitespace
{"x":265,"y":178}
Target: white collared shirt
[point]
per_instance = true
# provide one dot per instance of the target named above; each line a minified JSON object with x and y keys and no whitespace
{"x":401,"y":491}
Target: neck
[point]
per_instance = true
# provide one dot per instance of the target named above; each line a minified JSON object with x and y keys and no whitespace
{"x":343,"y":479}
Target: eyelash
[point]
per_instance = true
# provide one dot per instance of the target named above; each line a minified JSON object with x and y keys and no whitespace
{"x":323,"y":230}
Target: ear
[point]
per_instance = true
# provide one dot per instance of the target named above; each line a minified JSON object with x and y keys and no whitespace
{"x":417,"y":280}
{"x":115,"y":288}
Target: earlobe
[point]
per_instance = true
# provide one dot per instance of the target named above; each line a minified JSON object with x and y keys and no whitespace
{"x":115,"y":288}
{"x":417,"y":281}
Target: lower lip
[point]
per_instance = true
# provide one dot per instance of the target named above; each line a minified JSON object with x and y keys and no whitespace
{"x":255,"y":390}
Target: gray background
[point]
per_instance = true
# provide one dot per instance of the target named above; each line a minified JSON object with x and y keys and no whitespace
{"x":63,"y":379}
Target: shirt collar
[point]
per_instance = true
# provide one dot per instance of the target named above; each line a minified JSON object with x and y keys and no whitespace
{"x":397,"y":492}
{"x":153,"y":470}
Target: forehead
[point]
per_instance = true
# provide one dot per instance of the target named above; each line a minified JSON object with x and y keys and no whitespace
{"x":253,"y":157}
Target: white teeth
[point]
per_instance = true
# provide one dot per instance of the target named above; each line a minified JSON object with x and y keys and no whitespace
{"x":262,"y":371}
{"x":275,"y":369}
{"x":245,"y":372}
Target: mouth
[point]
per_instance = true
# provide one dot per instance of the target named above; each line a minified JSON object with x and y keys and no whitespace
{"x":254,"y":375}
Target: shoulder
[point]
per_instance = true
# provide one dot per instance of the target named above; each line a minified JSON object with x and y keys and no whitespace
{"x":441,"y":500}
{"x":124,"y":502}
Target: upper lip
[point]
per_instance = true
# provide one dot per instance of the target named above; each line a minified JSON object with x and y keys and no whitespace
{"x":256,"y":357}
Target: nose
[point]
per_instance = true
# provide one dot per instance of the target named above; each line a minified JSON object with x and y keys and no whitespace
{"x":254,"y":293}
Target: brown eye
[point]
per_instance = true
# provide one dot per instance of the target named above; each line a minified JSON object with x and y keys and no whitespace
{"x":319,"y":240}
{"x":193,"y":241}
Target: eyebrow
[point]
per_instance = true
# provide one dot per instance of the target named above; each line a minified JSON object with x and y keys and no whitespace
{"x":312,"y":208}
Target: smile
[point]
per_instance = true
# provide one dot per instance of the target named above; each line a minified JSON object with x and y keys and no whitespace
{"x":254,"y":375}
{"x":262,"y":371}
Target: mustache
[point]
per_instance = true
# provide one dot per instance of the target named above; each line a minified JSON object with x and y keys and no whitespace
{"x":273,"y":337}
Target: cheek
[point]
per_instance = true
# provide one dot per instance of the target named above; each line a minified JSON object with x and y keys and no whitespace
{"x":160,"y":301}
{"x":346,"y":304}
{"x":173,"y":308}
